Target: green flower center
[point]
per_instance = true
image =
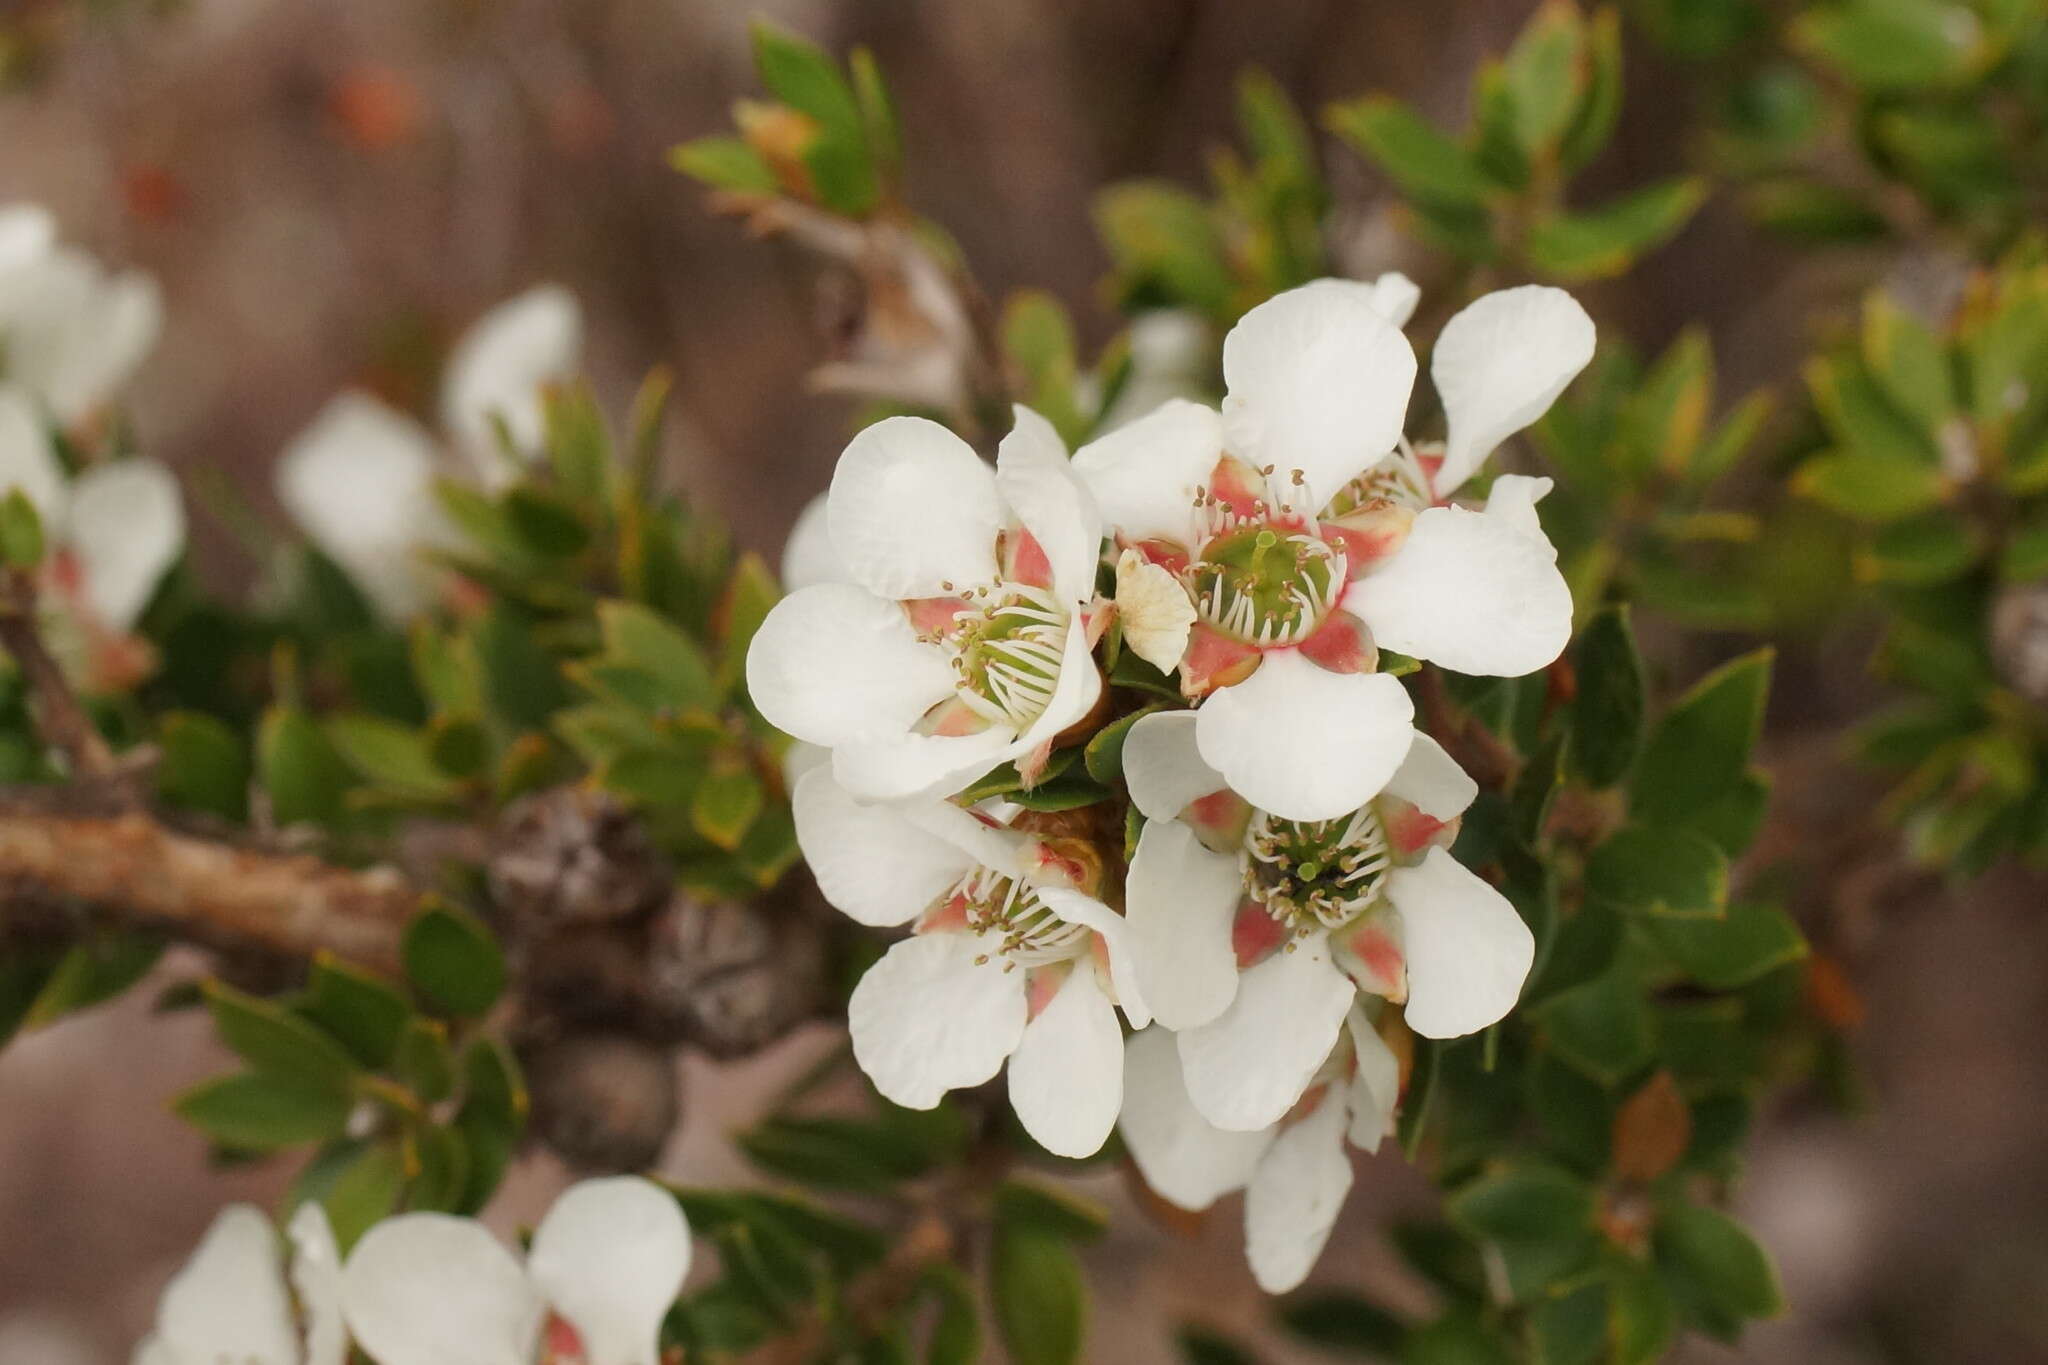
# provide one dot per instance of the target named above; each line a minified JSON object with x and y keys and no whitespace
{"x":1006,"y":662}
{"x":1316,"y":873}
{"x":1267,"y":585}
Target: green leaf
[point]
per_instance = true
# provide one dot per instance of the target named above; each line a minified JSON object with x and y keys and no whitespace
{"x":1885,"y":44}
{"x":637,"y":635}
{"x":1607,"y":713}
{"x":424,"y":1061}
{"x":1205,"y":1346}
{"x":256,"y":1112}
{"x":492,"y":1117}
{"x":362,"y":1012}
{"x":1723,"y":954}
{"x":1427,"y":165}
{"x":1545,"y":74}
{"x":545,"y":522}
{"x":1701,"y":748}
{"x":389,"y":754}
{"x":1717,"y":1255}
{"x":1812,"y":211}
{"x":1165,"y":247}
{"x":303,"y":775}
{"x":365,"y":1192}
{"x":1908,"y":362}
{"x":1924,"y":550}
{"x":1602,"y":1027}
{"x":832,"y":1153}
{"x":1104,"y":754}
{"x":654,"y":777}
{"x":724,"y":163}
{"x":204,"y":766}
{"x":1343,"y":1323}
{"x":1458,"y":1338}
{"x":1639,"y":1324}
{"x":21,"y":531}
{"x":452,"y":960}
{"x":804,"y":77}
{"x":1608,"y":240}
{"x":1600,"y":106}
{"x":1659,"y":871}
{"x":877,"y":112}
{"x":956,"y":1328}
{"x":1869,"y":487}
{"x":1663,"y":420}
{"x":275,"y":1041}
{"x":1862,"y":418}
{"x":726,"y":804}
{"x":1041,"y":1303}
{"x":438,"y":1163}
{"x":88,"y":972}
{"x":1038,"y":341}
{"x":1540,"y":1218}
{"x":1044,"y":1209}
{"x":749,"y":596}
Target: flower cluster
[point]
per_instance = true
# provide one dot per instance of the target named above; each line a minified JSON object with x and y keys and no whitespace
{"x":1262,"y":864}
{"x":72,"y":334}
{"x":602,"y":1272}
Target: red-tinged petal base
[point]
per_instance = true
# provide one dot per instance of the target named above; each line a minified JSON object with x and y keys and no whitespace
{"x":1255,"y":935}
{"x":1215,"y":660}
{"x":1342,"y":644}
{"x":1410,"y":832}
{"x":1218,"y":820}
{"x":560,"y":1344}
{"x":1370,"y":534}
{"x":1372,"y":954}
{"x":1025,"y":560}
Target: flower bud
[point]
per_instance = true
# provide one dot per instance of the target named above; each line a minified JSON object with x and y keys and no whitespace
{"x":573,"y":855}
{"x":604,"y":1102}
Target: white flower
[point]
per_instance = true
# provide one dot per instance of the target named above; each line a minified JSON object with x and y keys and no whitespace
{"x":1295,"y":1172}
{"x":71,"y":332}
{"x":500,"y":371}
{"x":1252,"y":934}
{"x":1012,"y":958}
{"x":110,"y":535}
{"x":961,"y":642}
{"x":230,"y":1302}
{"x":607,"y":1261}
{"x":807,"y":556}
{"x":1307,"y":534}
{"x":359,"y":480}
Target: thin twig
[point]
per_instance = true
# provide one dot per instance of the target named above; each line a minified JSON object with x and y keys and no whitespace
{"x":62,"y":720}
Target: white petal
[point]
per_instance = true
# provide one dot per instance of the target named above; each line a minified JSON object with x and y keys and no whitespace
{"x":27,"y":232}
{"x":1319,"y":382}
{"x":1470,"y":592}
{"x":316,"y":1279}
{"x":913,"y":509}
{"x":1036,"y":479}
{"x":1303,"y":742}
{"x":26,"y":460}
{"x":1294,"y":1198}
{"x":229,"y":1301}
{"x":914,"y":767}
{"x":1155,"y":609}
{"x":127,"y":525}
{"x":359,"y":481}
{"x":1513,"y":498}
{"x":928,"y":1018}
{"x":501,"y":367}
{"x":1076,"y":908}
{"x":1163,"y":765}
{"x":834,"y":663}
{"x":1431,"y":780}
{"x":610,"y":1258}
{"x":1187,"y":1160}
{"x":1394,"y":295}
{"x":1468,"y":951}
{"x":1375,"y":1091}
{"x":1067,"y":1075}
{"x":1145,"y":475}
{"x":1182,"y":900}
{"x":869,"y":861}
{"x":129,"y":320}
{"x":808,"y":556}
{"x":1246,"y":1068}
{"x":433,"y":1289}
{"x":152,"y":1350}
{"x":1499,"y":364}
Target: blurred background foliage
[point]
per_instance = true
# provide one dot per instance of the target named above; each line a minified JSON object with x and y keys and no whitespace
{"x":1814,"y":444}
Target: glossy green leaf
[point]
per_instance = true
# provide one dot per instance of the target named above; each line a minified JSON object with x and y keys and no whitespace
{"x":453,"y":961}
{"x":1596,"y":243}
{"x":259,"y":1112}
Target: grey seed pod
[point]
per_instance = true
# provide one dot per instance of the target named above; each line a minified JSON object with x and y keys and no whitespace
{"x":2019,"y":639}
{"x":573,"y":855}
{"x":731,"y":977}
{"x":604,"y":1102}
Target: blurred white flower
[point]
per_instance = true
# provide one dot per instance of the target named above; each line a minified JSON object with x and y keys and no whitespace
{"x":359,"y":480}
{"x":1295,"y":1171}
{"x":71,"y":332}
{"x":962,"y":641}
{"x":1014,"y":958}
{"x":606,"y":1262}
{"x":1307,"y":534}
{"x":109,"y":535}
{"x":231,"y":1303}
{"x":1252,"y":934}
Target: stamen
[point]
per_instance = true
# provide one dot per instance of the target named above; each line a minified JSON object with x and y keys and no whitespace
{"x":1310,"y":873}
{"x":1030,"y":934}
